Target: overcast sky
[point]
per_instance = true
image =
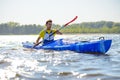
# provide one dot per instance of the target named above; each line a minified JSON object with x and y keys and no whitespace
{"x":60,"y":11}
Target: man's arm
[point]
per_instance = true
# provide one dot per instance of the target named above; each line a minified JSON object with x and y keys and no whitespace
{"x":39,"y":37}
{"x":37,"y":41}
{"x":58,"y":32}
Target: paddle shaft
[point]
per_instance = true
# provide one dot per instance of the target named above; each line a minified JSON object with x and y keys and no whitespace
{"x":58,"y":30}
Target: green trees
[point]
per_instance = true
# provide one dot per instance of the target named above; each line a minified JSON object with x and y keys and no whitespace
{"x":85,"y":27}
{"x":16,"y":28}
{"x":94,"y":27}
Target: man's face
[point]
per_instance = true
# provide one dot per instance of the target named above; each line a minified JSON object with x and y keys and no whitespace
{"x":49,"y":24}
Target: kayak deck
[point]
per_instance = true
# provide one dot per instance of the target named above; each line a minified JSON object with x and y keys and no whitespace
{"x":101,"y":46}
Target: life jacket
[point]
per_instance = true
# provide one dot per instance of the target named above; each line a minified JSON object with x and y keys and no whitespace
{"x":48,"y":37}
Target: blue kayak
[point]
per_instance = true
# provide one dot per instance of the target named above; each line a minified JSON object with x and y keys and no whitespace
{"x":101,"y":46}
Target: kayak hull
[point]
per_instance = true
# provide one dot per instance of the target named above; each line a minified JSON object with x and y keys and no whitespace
{"x":93,"y":47}
{"x":101,"y":46}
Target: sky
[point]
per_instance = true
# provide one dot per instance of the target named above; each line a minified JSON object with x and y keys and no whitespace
{"x":60,"y":11}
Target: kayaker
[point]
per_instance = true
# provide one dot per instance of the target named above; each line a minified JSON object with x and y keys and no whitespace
{"x":46,"y":34}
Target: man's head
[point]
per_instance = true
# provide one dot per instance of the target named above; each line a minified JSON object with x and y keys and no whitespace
{"x":49,"y":24}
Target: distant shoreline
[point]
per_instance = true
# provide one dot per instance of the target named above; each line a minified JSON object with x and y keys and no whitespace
{"x":100,"y":27}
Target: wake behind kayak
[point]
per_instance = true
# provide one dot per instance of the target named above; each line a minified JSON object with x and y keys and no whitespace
{"x":101,"y":46}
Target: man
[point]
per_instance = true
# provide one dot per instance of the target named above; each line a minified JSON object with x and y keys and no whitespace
{"x":47,"y":34}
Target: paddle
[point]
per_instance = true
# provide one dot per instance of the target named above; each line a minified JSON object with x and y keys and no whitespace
{"x":59,"y":29}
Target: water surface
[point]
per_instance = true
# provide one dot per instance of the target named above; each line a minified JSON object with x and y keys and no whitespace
{"x":18,"y":63}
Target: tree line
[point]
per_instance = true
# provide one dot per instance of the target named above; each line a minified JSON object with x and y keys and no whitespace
{"x":14,"y":28}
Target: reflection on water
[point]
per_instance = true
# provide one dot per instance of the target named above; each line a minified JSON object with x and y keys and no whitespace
{"x":18,"y":63}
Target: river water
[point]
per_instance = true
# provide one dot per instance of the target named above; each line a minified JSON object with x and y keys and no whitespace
{"x":18,"y":63}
